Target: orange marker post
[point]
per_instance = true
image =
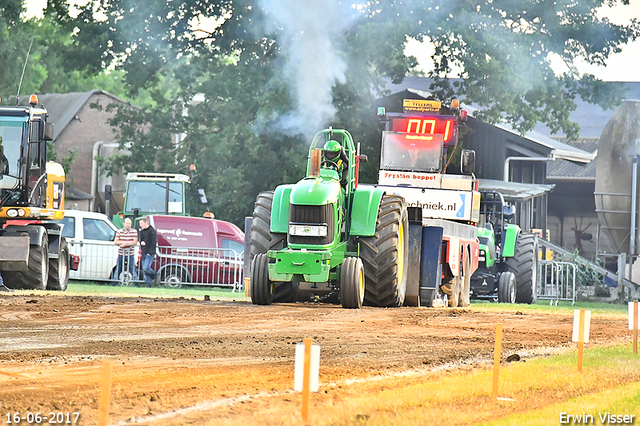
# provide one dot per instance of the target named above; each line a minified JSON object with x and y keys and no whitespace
{"x":580,"y":340}
{"x":306,"y":379}
{"x":581,"y":327}
{"x":496,"y":362}
{"x":635,"y":327}
{"x":105,"y":393}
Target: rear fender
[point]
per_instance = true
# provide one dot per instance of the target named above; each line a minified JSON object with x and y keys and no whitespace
{"x":36,"y":232}
{"x":509,"y":240}
{"x":54,"y":232}
{"x":15,"y":245}
{"x":364,"y":211}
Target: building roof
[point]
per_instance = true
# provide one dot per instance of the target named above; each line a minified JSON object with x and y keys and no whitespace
{"x":72,"y":193}
{"x":64,"y":107}
{"x":592,"y":119}
{"x":568,"y":170}
{"x":558,"y":149}
{"x":514,"y":191}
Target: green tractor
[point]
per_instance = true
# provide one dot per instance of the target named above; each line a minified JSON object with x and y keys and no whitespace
{"x":327,"y":237}
{"x":508,"y":261}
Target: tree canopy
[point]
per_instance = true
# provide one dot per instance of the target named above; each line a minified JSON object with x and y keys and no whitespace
{"x":246,"y":83}
{"x":38,"y":55}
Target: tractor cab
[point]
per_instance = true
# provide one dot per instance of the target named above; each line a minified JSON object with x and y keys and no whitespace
{"x":508,"y":258}
{"x":496,"y":216}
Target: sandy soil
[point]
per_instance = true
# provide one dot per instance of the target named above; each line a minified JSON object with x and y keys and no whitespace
{"x":209,"y":362}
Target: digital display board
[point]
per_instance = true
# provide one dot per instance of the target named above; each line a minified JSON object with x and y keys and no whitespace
{"x":426,"y":125}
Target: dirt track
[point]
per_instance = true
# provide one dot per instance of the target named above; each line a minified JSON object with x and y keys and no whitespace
{"x":207,"y":362}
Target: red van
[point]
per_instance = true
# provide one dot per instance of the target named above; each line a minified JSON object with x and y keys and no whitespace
{"x":198,"y":250}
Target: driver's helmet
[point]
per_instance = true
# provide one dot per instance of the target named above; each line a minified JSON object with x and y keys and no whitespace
{"x":331,"y":150}
{"x":509,"y":212}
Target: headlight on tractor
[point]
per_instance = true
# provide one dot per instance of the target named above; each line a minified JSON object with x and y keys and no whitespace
{"x":482,"y":256}
{"x":308,"y":230}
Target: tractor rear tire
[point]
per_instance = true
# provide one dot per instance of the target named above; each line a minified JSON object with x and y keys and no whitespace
{"x":524,"y":264}
{"x":263,"y":240}
{"x":352,"y":283}
{"x":59,"y":269}
{"x":261,"y":288}
{"x":507,"y":287}
{"x":386,"y":256}
{"x":36,"y":277}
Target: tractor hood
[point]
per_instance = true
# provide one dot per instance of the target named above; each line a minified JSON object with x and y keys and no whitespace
{"x":316,"y":191}
{"x":486,"y":238}
{"x":485,"y":233}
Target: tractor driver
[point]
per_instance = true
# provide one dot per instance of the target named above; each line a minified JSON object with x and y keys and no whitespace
{"x":334,"y":153}
{"x":509,"y":213}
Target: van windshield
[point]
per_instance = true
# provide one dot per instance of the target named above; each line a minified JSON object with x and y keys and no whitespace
{"x":97,"y":229}
{"x":150,"y":197}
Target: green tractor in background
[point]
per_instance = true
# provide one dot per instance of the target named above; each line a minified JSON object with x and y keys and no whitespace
{"x":325,"y":236}
{"x":508,"y":262}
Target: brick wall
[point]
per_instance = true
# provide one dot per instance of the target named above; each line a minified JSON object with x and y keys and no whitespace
{"x":83,"y":132}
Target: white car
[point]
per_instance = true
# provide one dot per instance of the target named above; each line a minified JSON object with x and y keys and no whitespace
{"x":90,"y":236}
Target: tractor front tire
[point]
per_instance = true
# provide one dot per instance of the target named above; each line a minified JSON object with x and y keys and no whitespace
{"x":524,"y":264}
{"x":352,"y":283}
{"x":263,"y":240}
{"x":59,"y":269}
{"x":261,"y":289}
{"x":507,"y":287}
{"x":385,"y":255}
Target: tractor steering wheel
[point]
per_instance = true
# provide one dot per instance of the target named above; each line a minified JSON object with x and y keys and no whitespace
{"x":328,"y":164}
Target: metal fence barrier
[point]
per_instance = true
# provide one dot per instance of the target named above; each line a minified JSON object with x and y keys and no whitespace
{"x":557,"y":281}
{"x":174,"y":266}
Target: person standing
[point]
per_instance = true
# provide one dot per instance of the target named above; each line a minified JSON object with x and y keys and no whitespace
{"x":148,"y":242}
{"x":126,"y":240}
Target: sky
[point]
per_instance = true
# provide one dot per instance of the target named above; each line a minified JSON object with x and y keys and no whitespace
{"x":623,"y":66}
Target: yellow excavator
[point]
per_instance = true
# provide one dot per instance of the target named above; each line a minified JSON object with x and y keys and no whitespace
{"x":33,"y":253}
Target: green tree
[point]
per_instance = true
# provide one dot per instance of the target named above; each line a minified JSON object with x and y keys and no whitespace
{"x":241,"y":136}
{"x":52,"y":65}
{"x":15,"y":41}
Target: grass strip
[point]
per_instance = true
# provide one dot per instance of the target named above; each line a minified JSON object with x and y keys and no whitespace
{"x":590,"y":409}
{"x":535,"y":393}
{"x":79,"y":288}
